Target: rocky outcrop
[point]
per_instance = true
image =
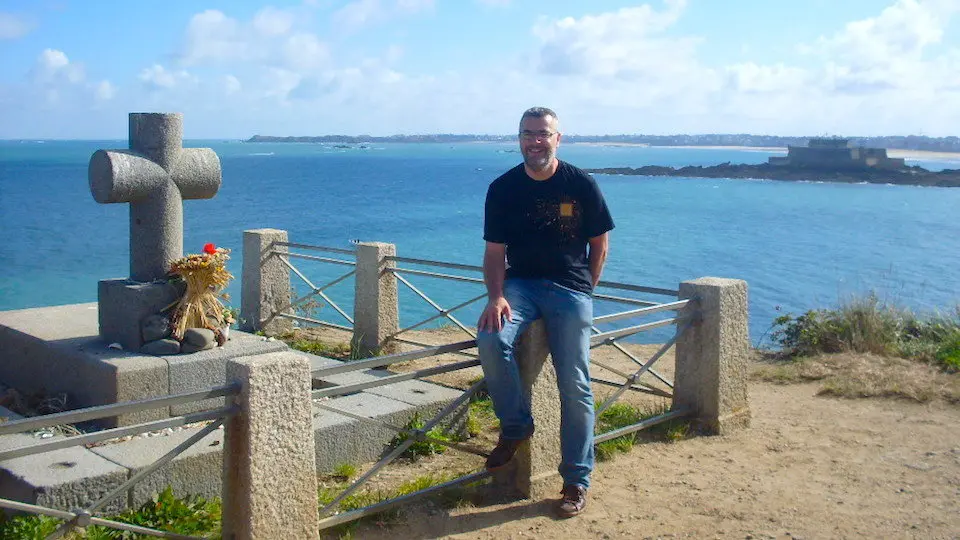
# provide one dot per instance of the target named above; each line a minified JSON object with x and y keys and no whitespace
{"x":914,"y":176}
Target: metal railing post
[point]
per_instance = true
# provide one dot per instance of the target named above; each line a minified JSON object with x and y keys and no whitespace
{"x":713,"y":354}
{"x":376,"y":311}
{"x":265,"y":282}
{"x":269,"y":464}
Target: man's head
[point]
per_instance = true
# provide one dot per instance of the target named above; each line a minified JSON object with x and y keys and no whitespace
{"x":539,"y":137}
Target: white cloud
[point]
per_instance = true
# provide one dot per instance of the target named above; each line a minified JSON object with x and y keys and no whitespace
{"x":271,"y":21}
{"x":753,"y":78}
{"x":13,"y":26}
{"x":357,"y":14}
{"x":213,"y":36}
{"x":625,"y":43}
{"x":53,"y":66}
{"x":231,"y":85}
{"x":157,"y":77}
{"x":104,"y":91}
{"x":305,"y":52}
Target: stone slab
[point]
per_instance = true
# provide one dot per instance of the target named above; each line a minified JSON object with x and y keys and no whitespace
{"x":65,"y":479}
{"x":196,"y":471}
{"x":205,"y":369}
{"x":57,"y":349}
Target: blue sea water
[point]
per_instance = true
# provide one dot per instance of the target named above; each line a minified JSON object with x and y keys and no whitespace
{"x":799,"y":245}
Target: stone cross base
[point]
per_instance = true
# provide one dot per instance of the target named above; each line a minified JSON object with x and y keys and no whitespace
{"x":124,"y":303}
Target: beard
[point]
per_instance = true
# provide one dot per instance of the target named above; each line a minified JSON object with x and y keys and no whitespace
{"x":538,"y":162}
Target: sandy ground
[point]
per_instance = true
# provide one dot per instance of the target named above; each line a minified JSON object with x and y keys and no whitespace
{"x":809,"y":466}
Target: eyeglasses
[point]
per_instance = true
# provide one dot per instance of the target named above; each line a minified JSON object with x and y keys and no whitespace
{"x":534,"y":135}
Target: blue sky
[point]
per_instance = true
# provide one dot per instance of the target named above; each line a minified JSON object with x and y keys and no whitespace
{"x":74,"y":69}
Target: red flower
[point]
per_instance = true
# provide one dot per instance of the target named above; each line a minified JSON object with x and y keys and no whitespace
{"x":210,"y":248}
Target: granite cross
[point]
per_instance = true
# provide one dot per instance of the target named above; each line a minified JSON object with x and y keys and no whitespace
{"x":155,"y":175}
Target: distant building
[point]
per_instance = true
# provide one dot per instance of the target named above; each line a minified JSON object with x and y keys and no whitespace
{"x":836,"y":153}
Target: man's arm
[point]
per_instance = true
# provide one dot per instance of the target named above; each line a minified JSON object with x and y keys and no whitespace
{"x":599,"y":245}
{"x":494,"y":271}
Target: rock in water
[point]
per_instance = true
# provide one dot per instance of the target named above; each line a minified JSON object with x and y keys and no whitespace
{"x":198,"y":339}
{"x":155,"y":327}
{"x":161,"y":347}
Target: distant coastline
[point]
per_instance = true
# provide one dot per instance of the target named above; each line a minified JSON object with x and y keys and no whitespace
{"x":949,"y":145}
{"x":913,"y":176}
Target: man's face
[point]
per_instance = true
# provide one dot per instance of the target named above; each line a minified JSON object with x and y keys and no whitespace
{"x":539,"y":140}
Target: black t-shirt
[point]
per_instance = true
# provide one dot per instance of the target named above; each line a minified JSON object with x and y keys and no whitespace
{"x":546,"y":224}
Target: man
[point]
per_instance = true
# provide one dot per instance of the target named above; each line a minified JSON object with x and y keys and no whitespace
{"x":540,"y":218}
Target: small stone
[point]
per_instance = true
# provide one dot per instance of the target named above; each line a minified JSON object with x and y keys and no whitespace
{"x":200,"y":337}
{"x":187,"y":348}
{"x":115,"y":346}
{"x":161,"y":347}
{"x":155,"y":327}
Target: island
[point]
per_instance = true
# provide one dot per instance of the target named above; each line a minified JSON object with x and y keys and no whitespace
{"x":821,"y":160}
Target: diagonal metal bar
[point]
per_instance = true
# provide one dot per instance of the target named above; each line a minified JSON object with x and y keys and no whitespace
{"x":166,"y":458}
{"x":415,"y":434}
{"x":643,"y":424}
{"x":316,"y":290}
{"x":107,"y":411}
{"x":400,"y":449}
{"x":645,"y":367}
{"x":391,"y":379}
{"x":34,"y":509}
{"x":636,"y":360}
{"x":435,"y":305}
{"x":298,"y":301}
{"x":422,"y":344}
{"x":640,"y":387}
{"x":437,"y":316}
{"x":353,"y":515}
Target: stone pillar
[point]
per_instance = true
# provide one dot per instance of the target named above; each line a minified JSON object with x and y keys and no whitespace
{"x":376,"y":312}
{"x":713,"y":354}
{"x":265,"y":286}
{"x":534,"y":467}
{"x":269,"y":467}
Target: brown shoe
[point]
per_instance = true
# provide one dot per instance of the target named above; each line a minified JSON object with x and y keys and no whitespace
{"x":573,"y":502}
{"x":504,"y":451}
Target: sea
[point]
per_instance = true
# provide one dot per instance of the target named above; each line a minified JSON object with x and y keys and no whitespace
{"x":798,"y":245}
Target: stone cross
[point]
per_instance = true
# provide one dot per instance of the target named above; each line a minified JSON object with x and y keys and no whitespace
{"x":155,"y":175}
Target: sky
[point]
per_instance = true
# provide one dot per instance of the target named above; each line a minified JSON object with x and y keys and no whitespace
{"x":72,"y":69}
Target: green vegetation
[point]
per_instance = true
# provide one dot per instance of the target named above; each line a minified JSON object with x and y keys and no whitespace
{"x":867,"y":325}
{"x":621,"y":415}
{"x":424,"y":447}
{"x":339,"y":351}
{"x":345,"y":471}
{"x":192,"y":515}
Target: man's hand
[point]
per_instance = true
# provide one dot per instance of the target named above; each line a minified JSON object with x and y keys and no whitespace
{"x":493,"y":315}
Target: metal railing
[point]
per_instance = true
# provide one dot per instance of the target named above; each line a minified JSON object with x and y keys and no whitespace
{"x":630,"y":379}
{"x":285,"y":256}
{"x":84,"y":517}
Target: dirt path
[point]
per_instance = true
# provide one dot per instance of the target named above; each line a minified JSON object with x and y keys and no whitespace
{"x":809,"y":466}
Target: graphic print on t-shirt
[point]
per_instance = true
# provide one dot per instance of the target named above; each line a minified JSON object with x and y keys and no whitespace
{"x":558,"y":218}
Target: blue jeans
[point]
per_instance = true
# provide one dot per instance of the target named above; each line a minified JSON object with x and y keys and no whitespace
{"x":568,"y":316}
